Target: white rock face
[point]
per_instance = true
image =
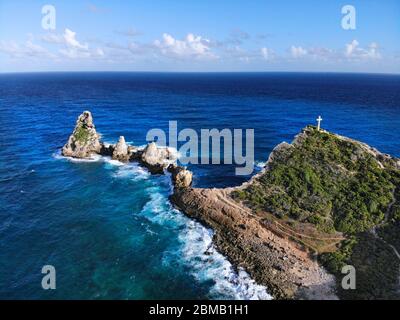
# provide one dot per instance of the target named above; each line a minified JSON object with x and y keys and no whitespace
{"x":155,"y":158}
{"x":84,"y":141}
{"x":121,"y":150}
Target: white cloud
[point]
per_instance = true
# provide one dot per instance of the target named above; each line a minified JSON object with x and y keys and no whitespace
{"x":69,"y":45}
{"x":75,"y":50}
{"x":354,"y":51}
{"x":9,"y":47}
{"x":266,"y":53}
{"x":323,"y":54}
{"x":37,"y":50}
{"x":297,"y":52}
{"x":28,"y":49}
{"x":238,"y":53}
{"x":52,"y":38}
{"x":98,"y":52}
{"x":190,"y":47}
{"x":351,"y":48}
{"x":373,"y":51}
{"x":70,"y":40}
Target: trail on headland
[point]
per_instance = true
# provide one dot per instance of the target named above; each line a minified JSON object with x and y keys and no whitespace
{"x":295,"y":213}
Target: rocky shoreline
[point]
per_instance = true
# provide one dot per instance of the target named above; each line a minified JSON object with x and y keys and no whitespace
{"x":85,"y":141}
{"x":281,"y":265}
{"x":270,"y":250}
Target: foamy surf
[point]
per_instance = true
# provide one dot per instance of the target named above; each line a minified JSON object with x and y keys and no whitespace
{"x":132,"y":171}
{"x":207,"y":264}
{"x":260,"y":164}
{"x":197,"y":252}
{"x":93,"y":158}
{"x":112,"y":163}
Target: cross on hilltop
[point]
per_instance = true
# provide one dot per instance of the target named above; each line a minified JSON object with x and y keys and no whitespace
{"x":319,"y":119}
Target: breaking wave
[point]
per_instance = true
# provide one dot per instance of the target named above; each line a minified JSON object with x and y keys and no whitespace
{"x":197,"y":252}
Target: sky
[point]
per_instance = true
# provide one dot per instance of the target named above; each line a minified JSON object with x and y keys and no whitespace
{"x":200,"y":35}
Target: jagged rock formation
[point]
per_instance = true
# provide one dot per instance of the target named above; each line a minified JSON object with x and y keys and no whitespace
{"x":121,"y":150}
{"x":156,"y":159}
{"x":84,"y":141}
{"x":181,"y":177}
{"x":322,"y":196}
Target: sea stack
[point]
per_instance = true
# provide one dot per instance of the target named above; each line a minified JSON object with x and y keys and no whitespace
{"x":156,"y":159}
{"x":84,"y":141}
{"x":121,"y":150}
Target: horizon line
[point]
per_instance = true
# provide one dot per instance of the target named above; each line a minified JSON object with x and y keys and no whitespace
{"x":204,"y":72}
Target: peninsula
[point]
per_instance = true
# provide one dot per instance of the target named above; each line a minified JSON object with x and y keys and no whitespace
{"x":322,"y":202}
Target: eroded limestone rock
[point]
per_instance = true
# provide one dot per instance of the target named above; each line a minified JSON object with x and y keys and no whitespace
{"x":157,"y":159}
{"x":181,"y":177}
{"x":121,"y":150}
{"x":84,"y":141}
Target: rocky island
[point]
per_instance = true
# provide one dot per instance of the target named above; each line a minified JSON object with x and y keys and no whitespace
{"x":85,"y":142}
{"x":322,"y":202}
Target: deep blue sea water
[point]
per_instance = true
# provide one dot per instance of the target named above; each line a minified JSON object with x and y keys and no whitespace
{"x":109,"y":229}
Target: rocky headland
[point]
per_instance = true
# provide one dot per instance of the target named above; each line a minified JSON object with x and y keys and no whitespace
{"x":321,"y":202}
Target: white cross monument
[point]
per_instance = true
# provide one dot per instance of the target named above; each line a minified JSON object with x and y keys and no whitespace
{"x":319,"y":123}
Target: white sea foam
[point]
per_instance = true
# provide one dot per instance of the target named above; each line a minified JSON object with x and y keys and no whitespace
{"x":110,"y":163}
{"x":130,"y":170}
{"x":196,"y":250}
{"x":199,"y":254}
{"x":260,"y":164}
{"x":93,"y":158}
{"x":207,"y":263}
{"x":134,"y":172}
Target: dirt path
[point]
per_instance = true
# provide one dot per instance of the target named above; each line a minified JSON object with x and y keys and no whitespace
{"x":373,"y":230}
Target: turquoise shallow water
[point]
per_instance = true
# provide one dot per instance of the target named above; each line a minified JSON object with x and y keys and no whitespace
{"x":109,"y":229}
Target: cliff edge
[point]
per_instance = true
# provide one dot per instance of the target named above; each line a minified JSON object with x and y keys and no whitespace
{"x":322,"y":202}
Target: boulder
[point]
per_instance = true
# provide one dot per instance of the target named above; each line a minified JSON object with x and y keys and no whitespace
{"x":121,"y":150}
{"x":84,"y":141}
{"x":182,"y":178}
{"x":156,"y":159}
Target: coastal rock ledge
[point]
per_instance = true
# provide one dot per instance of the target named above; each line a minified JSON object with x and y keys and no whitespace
{"x":322,"y":202}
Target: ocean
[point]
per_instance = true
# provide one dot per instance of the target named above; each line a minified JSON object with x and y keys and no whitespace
{"x":109,"y":229}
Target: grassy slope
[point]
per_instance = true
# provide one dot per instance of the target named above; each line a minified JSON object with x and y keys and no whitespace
{"x":336,"y":185}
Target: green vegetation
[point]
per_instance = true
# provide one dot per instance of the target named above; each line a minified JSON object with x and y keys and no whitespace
{"x":390,"y":230}
{"x":377,"y":270}
{"x":337,"y":185}
{"x":81,"y":134}
{"x":324,"y":180}
{"x":335,"y":261}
